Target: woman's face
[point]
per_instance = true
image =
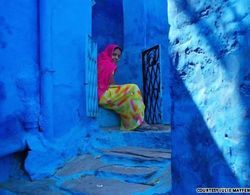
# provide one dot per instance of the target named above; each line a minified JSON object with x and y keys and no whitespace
{"x":116,"y":55}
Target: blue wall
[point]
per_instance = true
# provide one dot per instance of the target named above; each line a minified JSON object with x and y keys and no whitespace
{"x":42,"y":97}
{"x":134,"y":43}
{"x":70,"y":29}
{"x":210,"y":88}
{"x":107,"y":21}
{"x":145,"y":25}
{"x":19,"y":77}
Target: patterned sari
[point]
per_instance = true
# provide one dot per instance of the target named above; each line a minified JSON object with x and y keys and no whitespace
{"x":126,"y":100}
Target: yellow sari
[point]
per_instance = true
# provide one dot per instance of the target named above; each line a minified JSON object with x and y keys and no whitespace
{"x":126,"y":100}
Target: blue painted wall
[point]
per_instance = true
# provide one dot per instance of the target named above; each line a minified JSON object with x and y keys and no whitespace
{"x":145,"y":25}
{"x":42,"y":97}
{"x":134,"y":42}
{"x":210,"y":92}
{"x":19,"y":77}
{"x":107,"y":23}
{"x":70,"y":29}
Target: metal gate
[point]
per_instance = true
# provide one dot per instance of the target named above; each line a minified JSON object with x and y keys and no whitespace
{"x":91,"y":78}
{"x":152,"y":85}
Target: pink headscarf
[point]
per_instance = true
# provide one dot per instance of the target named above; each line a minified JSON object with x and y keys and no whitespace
{"x":106,"y":67}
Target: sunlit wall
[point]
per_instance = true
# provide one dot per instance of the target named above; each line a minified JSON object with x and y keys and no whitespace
{"x":210,"y":90}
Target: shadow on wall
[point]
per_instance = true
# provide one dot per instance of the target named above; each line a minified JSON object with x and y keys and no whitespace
{"x":242,"y":36}
{"x":229,"y":44}
{"x":196,"y":159}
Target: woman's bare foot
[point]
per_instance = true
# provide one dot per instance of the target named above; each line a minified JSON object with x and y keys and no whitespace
{"x":146,"y":126}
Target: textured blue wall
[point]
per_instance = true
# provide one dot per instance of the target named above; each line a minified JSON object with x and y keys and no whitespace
{"x":107,"y":23}
{"x":40,"y":40}
{"x":210,"y":92}
{"x":19,"y":79}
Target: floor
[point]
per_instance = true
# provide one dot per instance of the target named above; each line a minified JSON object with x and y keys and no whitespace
{"x":119,"y":162}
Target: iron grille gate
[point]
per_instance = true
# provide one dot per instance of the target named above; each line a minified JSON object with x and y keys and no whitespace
{"x":152,"y":93}
{"x":91,"y":78}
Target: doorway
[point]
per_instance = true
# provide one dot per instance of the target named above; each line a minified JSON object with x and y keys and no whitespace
{"x":136,"y":29}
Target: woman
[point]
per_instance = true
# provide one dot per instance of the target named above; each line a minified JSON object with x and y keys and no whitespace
{"x":126,"y":100}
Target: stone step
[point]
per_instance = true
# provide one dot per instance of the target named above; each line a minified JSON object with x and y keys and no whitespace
{"x":162,"y":184}
{"x":45,"y":186}
{"x":142,"y":175}
{"x":94,"y":185}
{"x":109,"y":138}
{"x":107,"y":118}
{"x":89,"y":165}
{"x":142,"y":152}
{"x":80,"y":165}
{"x":88,"y":174}
{"x":136,"y":156}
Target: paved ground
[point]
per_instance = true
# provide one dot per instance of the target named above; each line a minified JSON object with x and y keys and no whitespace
{"x":124,"y":169}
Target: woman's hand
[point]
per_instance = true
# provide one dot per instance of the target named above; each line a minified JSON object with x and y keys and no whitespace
{"x":112,"y":80}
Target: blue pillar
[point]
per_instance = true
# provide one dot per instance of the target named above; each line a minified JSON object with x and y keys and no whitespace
{"x":46,"y":67}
